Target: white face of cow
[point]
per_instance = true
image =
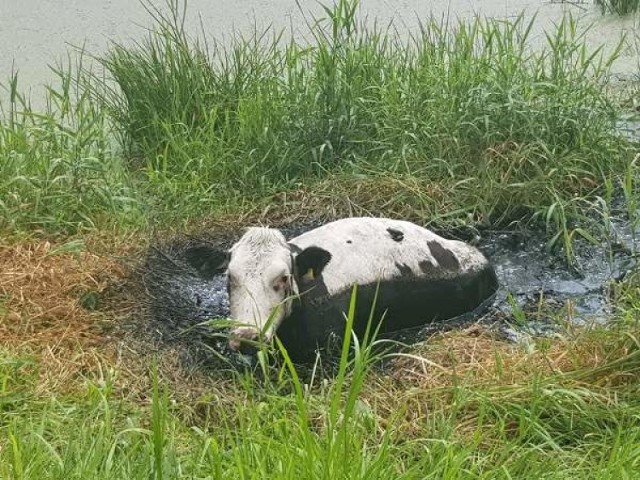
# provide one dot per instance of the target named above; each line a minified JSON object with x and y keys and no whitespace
{"x":262,"y":281}
{"x":261,"y":284}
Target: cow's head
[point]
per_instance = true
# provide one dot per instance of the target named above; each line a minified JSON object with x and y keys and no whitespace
{"x":263,"y":275}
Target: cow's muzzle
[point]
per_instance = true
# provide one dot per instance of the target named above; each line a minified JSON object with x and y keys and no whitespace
{"x":244,"y":340}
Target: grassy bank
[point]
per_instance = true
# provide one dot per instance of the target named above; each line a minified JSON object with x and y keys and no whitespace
{"x":467,"y":122}
{"x":620,"y":7}
{"x":462,"y":124}
{"x":465,"y":404}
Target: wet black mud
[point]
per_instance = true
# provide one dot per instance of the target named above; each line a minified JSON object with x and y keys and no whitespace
{"x":184,"y":292}
{"x":538,"y":284}
{"x":186,"y":299}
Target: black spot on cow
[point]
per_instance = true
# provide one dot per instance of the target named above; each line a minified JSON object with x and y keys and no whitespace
{"x":349,"y":241}
{"x":404,"y":269}
{"x":445,"y":258}
{"x":396,"y":235}
{"x":312,"y":258}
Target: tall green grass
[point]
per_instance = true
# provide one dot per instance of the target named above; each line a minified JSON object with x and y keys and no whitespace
{"x":509,"y":131}
{"x":182,"y":126}
{"x":565,"y":425}
{"x":60,"y":170}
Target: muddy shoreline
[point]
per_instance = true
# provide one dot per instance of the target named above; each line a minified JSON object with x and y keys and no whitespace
{"x":535,"y":284}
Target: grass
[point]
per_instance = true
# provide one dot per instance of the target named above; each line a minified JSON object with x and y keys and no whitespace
{"x":461,"y":124}
{"x":511,"y":134}
{"x":80,"y":398}
{"x":464,"y":404}
{"x":620,"y":7}
{"x":58,"y":169}
{"x":485,"y":130}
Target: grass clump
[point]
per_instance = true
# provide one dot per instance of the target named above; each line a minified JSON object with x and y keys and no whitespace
{"x":513,"y":133}
{"x":620,"y":7}
{"x":59,"y":170}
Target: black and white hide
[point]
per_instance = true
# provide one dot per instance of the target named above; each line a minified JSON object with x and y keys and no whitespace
{"x":301,"y":289}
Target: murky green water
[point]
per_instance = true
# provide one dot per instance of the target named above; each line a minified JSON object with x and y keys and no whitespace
{"x":36,"y":33}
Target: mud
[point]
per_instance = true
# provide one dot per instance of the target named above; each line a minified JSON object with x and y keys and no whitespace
{"x":184,"y":294}
{"x":185,"y":302}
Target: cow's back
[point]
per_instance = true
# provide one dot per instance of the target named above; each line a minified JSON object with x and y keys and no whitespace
{"x":365,"y":250}
{"x":415,"y":276}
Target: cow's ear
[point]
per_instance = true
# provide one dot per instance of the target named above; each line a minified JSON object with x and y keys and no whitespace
{"x":311,"y":261}
{"x":208,"y":261}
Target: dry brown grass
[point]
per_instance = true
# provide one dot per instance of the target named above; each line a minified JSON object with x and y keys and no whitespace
{"x":42,"y":319}
{"x":41,"y":285}
{"x":394,"y":196}
{"x":475,"y":356}
{"x":409,"y":198}
{"x":41,"y":316}
{"x":423,"y":383}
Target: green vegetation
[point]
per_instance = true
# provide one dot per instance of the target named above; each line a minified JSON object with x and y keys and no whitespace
{"x":621,"y":7}
{"x":461,"y":124}
{"x":572,"y":414}
{"x":474,"y":126}
{"x":58,"y":168}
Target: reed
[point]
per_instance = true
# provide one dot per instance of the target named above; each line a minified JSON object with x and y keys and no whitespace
{"x":620,"y":7}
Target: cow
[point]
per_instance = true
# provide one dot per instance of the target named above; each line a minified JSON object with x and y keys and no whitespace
{"x":301,"y":288}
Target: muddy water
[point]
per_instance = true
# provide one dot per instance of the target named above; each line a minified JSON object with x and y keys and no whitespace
{"x":183,"y":293}
{"x":36,"y":33}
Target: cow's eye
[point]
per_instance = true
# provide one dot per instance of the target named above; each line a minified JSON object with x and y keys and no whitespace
{"x":281,"y":282}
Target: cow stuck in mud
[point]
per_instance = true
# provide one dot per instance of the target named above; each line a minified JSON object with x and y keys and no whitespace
{"x":301,"y":288}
